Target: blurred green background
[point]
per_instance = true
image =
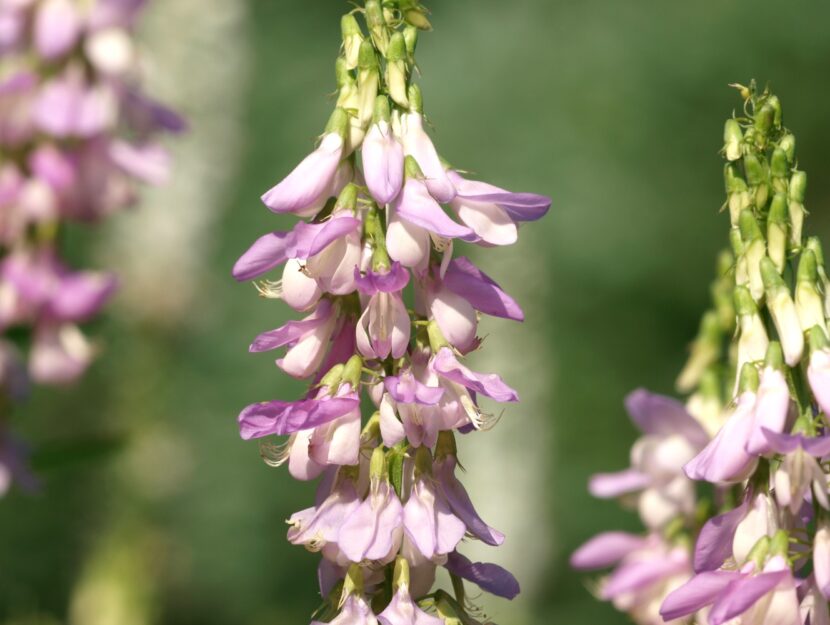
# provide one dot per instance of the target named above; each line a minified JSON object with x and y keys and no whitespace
{"x":152,"y":510}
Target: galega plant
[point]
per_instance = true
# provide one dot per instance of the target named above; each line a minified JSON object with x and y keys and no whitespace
{"x":77,"y":135}
{"x":391,"y":313}
{"x":733,"y":486}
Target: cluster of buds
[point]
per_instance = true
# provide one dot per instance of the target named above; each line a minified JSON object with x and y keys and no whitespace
{"x":76,"y":136}
{"x":762,"y":536}
{"x":389,"y":508}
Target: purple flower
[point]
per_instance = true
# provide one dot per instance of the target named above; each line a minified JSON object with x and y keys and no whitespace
{"x":460,"y":504}
{"x":355,"y":611}
{"x":416,"y":143}
{"x":280,"y":417}
{"x":490,"y":577}
{"x":302,"y":243}
{"x":766,"y":596}
{"x":382,"y":163}
{"x":491,"y":212}
{"x":374,"y":530}
{"x":403,"y":611}
{"x":429,"y":521}
{"x":57,"y":28}
{"x":306,"y":189}
{"x":725,"y":459}
{"x":818,"y":373}
{"x":446,"y":365}
{"x":307,"y":341}
{"x":799,"y":470}
{"x":317,"y":526}
{"x":384,"y":326}
{"x":415,"y":217}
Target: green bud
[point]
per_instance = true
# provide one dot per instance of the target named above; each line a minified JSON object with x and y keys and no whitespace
{"x":332,"y":378}
{"x":764,"y":120}
{"x":750,"y":231}
{"x":377,"y":25}
{"x":352,"y":38}
{"x":733,"y":180}
{"x":808,"y":302}
{"x":353,"y":585}
{"x":416,"y":100}
{"x":814,"y":245}
{"x":787,"y":144}
{"x":772,"y":279}
{"x":446,"y":445}
{"x":778,"y":114}
{"x":417,"y":17}
{"x":396,"y":73}
{"x":436,"y":338}
{"x":807,"y":267}
{"x":410,"y":35}
{"x":732,"y":138}
{"x":749,"y":380}
{"x":818,"y":339}
{"x":798,"y":186}
{"x":352,"y":371}
{"x":377,"y":465}
{"x":412,"y":169}
{"x":338,"y":122}
{"x":347,"y":200}
{"x":775,"y":356}
{"x":342,"y":73}
{"x":381,"y":112}
{"x":704,"y":352}
{"x":777,"y":231}
{"x":796,"y":211}
{"x":779,"y":164}
{"x":755,"y":172}
{"x":423,"y":461}
{"x":780,"y":544}
{"x":724,"y":263}
{"x":400,"y":578}
{"x":758,"y":553}
{"x":744,"y":304}
{"x":367,"y":59}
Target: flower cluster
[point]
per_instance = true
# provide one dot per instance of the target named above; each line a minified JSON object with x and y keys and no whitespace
{"x":391,"y":311}
{"x":760,"y":442}
{"x":76,"y":136}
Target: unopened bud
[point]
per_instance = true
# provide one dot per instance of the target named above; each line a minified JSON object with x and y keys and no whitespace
{"x":352,"y":38}
{"x":377,"y":25}
{"x":410,"y":35}
{"x":775,"y":356}
{"x":798,"y":186}
{"x":396,"y":73}
{"x":415,"y":15}
{"x":777,"y":231}
{"x":783,"y":312}
{"x":737,"y":191}
{"x":753,"y":341}
{"x":778,"y":113}
{"x":732,"y":137}
{"x":704,"y":351}
{"x":754,"y":250}
{"x":416,"y":100}
{"x":368,"y":79}
{"x":749,"y":379}
{"x":808,"y":302}
{"x":787,"y":144}
{"x":332,"y":378}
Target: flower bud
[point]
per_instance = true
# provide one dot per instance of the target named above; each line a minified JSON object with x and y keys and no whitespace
{"x":814,"y":245}
{"x":778,"y":114}
{"x":396,"y":74}
{"x":352,"y":38}
{"x":416,"y":101}
{"x":415,"y":14}
{"x":777,"y":241}
{"x":779,"y":170}
{"x":737,"y":191}
{"x":410,"y":35}
{"x":787,"y":144}
{"x":732,"y":137}
{"x":808,"y":302}
{"x":368,"y":79}
{"x":754,"y":250}
{"x":377,"y":25}
{"x":705,"y":351}
{"x":753,"y":341}
{"x":764,"y":121}
{"x":798,"y":188}
{"x":783,"y":313}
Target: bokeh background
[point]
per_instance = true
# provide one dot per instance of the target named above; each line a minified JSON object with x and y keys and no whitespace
{"x":153,"y":512}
